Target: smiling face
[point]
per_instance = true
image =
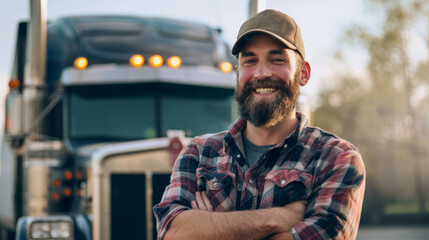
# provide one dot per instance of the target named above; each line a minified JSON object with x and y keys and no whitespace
{"x":268,"y":81}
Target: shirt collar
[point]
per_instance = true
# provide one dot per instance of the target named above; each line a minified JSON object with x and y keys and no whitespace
{"x":234,"y":134}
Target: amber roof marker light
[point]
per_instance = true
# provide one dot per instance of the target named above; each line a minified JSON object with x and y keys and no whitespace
{"x":225,"y":67}
{"x":136,"y":60}
{"x":80,"y":63}
{"x":174,"y":62}
{"x":156,"y":61}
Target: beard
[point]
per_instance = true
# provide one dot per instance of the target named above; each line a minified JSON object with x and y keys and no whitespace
{"x":266,"y":113}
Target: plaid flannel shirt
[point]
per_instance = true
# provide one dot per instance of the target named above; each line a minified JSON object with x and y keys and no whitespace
{"x":311,"y":164}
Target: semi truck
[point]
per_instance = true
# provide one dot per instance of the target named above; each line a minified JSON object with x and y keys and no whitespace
{"x":98,"y":109}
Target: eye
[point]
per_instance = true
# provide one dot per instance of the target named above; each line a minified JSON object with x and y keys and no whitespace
{"x":248,"y":61}
{"x":279,"y":60}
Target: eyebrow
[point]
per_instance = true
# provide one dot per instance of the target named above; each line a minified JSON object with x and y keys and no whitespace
{"x":271,"y":52}
{"x":247,"y":54}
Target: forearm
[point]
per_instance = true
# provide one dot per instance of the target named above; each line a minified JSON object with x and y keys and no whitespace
{"x":200,"y":224}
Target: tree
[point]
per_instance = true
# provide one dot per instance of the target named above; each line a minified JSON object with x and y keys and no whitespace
{"x":386,"y":114}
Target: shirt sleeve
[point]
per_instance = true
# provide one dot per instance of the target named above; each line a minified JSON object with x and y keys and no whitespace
{"x":178,"y":195}
{"x":334,"y":210}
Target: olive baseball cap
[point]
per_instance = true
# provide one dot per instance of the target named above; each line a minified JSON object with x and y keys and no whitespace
{"x":274,"y":23}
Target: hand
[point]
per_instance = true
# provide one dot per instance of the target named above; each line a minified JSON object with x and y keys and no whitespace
{"x":297,"y":209}
{"x":202,"y":202}
{"x":296,"y":212}
{"x":282,"y":219}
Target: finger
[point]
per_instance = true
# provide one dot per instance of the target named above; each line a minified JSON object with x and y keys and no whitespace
{"x":200,"y":201}
{"x":207,"y":202}
{"x":194,"y":205}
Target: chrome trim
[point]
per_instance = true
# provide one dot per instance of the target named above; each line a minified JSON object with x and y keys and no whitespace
{"x":41,"y":162}
{"x":132,"y":157}
{"x":189,"y":75}
{"x":37,"y":190}
{"x":45,"y":145}
{"x":40,"y":157}
{"x":149,"y":191}
{"x":36,"y":63}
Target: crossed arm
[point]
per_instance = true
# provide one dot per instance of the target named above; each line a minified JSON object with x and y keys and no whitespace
{"x":202,"y":223}
{"x":333,"y":212}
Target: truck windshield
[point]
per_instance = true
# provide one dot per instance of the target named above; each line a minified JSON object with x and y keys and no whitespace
{"x":141,"y":111}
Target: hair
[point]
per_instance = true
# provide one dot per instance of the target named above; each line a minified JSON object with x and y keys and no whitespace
{"x":299,"y":61}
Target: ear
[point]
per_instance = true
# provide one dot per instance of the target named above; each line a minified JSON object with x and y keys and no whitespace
{"x":236,"y":68}
{"x":305,"y":74}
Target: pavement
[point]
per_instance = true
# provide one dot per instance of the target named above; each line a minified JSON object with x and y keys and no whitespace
{"x":394,"y":233}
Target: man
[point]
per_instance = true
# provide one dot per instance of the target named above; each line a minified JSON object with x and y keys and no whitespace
{"x":271,"y":176}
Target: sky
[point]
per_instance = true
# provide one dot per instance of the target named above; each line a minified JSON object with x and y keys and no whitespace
{"x":321,"y":23}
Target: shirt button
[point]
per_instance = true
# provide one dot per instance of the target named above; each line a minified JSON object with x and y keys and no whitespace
{"x":216,"y":185}
{"x":251,"y":181}
{"x":285,"y":146}
{"x":238,"y":155}
{"x":282,"y":182}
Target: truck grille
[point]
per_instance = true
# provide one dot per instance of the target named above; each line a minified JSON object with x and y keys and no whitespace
{"x":160,"y":181}
{"x":129,"y":209}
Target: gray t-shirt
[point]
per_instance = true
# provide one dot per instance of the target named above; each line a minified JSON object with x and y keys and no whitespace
{"x":253,"y":152}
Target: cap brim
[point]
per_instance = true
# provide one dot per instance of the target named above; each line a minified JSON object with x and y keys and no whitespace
{"x":241,"y":40}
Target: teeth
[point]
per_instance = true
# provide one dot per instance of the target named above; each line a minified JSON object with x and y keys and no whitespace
{"x":264,"y":90}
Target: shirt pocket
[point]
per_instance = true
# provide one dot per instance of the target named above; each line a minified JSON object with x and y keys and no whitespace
{"x":219,"y":186}
{"x":285,"y":186}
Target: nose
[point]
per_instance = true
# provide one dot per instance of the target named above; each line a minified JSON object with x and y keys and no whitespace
{"x":262,"y":71}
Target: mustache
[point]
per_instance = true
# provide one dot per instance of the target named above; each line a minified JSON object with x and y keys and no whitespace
{"x":242,"y":93}
{"x":266,"y":83}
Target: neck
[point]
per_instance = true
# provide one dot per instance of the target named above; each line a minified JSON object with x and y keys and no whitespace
{"x":272,"y":135}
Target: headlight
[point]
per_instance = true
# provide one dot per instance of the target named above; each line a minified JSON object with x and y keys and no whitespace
{"x":51,"y":227}
{"x":40,"y":230}
{"x":60,"y":230}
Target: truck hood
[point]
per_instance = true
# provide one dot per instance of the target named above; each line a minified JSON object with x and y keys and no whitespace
{"x":85,"y":153}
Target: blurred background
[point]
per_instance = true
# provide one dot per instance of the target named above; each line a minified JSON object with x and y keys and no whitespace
{"x":369,"y":85}
{"x":385,"y":112}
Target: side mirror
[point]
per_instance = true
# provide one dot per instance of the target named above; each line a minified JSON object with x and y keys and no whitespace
{"x":13,"y":122}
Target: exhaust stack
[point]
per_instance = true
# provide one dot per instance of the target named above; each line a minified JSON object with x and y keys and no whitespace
{"x":36,"y":59}
{"x":256,"y":6}
{"x":34,"y":92}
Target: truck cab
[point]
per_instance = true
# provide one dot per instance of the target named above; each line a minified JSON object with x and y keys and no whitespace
{"x":121,"y":96}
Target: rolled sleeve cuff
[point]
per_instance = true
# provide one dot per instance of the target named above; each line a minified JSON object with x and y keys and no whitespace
{"x":295,"y":234}
{"x":165,"y":223}
{"x":304,"y":230}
